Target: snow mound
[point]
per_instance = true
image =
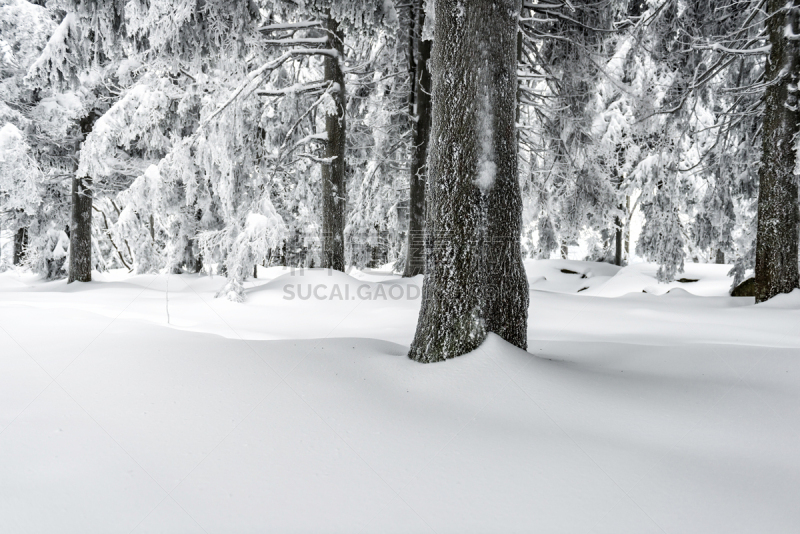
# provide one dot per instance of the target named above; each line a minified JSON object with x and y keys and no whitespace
{"x":568,"y":276}
{"x":678,"y":292}
{"x":314,"y":277}
{"x":605,"y":280}
{"x":700,"y":279}
{"x":10,"y":282}
{"x":329,"y":279}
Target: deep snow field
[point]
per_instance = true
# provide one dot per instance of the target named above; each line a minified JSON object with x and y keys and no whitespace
{"x":639,"y":408}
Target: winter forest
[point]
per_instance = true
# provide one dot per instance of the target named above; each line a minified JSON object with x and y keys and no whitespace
{"x":231,"y":231}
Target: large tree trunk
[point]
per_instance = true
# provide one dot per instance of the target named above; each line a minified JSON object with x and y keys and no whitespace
{"x":334,"y":193}
{"x":777,"y":237}
{"x":80,"y":234}
{"x":507,"y":297}
{"x":474,"y":281}
{"x":415,"y":250}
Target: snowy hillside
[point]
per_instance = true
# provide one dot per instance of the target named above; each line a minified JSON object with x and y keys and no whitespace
{"x":647,"y":412}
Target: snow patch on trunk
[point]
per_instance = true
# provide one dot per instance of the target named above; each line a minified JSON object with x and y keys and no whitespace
{"x":487,"y":169}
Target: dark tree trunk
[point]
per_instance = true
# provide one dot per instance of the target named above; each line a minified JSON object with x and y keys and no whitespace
{"x":192,"y":257}
{"x":413,"y":35}
{"x":618,"y":226}
{"x":720,"y":259}
{"x":80,"y":235}
{"x":507,"y":297}
{"x":777,"y":235}
{"x":192,"y":261}
{"x":474,"y":281}
{"x":20,"y":244}
{"x":334,"y":194}
{"x":415,"y":251}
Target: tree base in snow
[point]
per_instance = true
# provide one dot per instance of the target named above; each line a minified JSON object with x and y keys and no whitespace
{"x":474,"y":278}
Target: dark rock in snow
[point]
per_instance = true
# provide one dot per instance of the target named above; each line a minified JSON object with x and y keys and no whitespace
{"x":745,"y":289}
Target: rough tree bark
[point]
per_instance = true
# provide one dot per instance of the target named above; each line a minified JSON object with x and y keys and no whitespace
{"x":80,"y":235}
{"x":618,"y":226}
{"x":415,"y":250}
{"x":474,"y":280}
{"x":334,"y":194}
{"x":777,"y":233}
{"x":20,"y":244}
{"x":618,"y":240}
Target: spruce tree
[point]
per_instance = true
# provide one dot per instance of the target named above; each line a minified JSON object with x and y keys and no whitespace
{"x":421,"y":104}
{"x":474,"y":282}
{"x":80,"y":236}
{"x":334,"y":195}
{"x":777,"y":238}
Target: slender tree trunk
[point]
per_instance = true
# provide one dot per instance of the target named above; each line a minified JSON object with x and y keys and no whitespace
{"x":518,"y":115}
{"x":777,"y":234}
{"x":413,"y":35}
{"x":80,"y":235}
{"x":618,"y":226}
{"x":20,"y":244}
{"x":193,"y":259}
{"x":190,"y":259}
{"x":628,"y":224}
{"x":474,"y":282}
{"x":334,"y":194}
{"x":415,"y":255}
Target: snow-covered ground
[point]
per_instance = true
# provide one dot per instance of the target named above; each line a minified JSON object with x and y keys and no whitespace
{"x":144,"y":404}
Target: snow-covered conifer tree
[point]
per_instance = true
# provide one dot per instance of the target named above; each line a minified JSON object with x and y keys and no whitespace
{"x":474,"y":281}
